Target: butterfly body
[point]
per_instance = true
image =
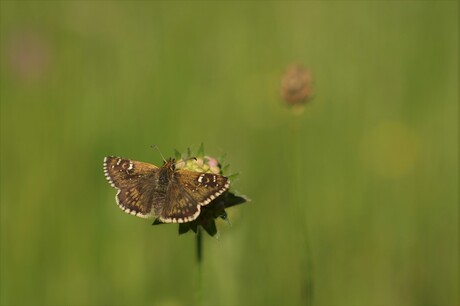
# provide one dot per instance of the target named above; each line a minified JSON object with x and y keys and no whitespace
{"x":172,"y":195}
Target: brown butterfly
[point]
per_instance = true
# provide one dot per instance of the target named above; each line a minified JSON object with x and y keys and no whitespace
{"x":172,"y":195}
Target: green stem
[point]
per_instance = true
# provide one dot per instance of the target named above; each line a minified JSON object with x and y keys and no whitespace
{"x":199,"y":260}
{"x":302,"y":227}
{"x":199,"y":245}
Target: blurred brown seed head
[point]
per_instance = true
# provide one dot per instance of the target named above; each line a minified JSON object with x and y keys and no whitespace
{"x":296,"y":85}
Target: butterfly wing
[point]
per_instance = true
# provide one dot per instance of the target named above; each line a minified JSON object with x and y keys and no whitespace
{"x":203,"y":187}
{"x":187,"y":192}
{"x":121,"y":172}
{"x":138,"y":200}
{"x":133,"y":180}
{"x":179,"y":206}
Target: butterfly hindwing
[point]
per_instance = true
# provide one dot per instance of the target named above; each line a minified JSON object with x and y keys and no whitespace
{"x":179,"y":206}
{"x":136,"y":200}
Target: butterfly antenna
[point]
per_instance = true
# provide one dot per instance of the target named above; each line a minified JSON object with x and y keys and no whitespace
{"x":155,"y":147}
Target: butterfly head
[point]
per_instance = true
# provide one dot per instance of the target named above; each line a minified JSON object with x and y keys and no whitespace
{"x":170,"y":164}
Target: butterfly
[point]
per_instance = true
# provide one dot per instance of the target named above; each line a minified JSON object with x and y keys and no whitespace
{"x":169,"y":194}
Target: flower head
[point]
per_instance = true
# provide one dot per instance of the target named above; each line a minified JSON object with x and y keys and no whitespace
{"x":216,"y":208}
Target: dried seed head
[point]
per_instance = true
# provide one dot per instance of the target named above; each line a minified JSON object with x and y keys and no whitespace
{"x":296,"y":85}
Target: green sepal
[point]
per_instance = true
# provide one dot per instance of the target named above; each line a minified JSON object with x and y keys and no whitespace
{"x":232,"y":199}
{"x":225,"y":169}
{"x":177,"y":154}
{"x":200,"y":152}
{"x":232,"y":176}
{"x":194,"y":226}
{"x":222,"y":158}
{"x":183,"y":228}
{"x":157,"y":221}
{"x":210,"y":227}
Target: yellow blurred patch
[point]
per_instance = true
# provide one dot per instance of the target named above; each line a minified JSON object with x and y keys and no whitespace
{"x":390,"y":149}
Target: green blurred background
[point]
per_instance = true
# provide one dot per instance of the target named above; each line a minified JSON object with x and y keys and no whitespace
{"x":379,"y":150}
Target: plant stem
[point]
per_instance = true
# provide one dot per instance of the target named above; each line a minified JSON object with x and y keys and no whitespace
{"x":302,"y":227}
{"x":199,"y":259}
{"x":199,"y":245}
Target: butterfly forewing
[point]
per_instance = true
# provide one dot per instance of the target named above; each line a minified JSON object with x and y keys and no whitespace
{"x":133,"y":181}
{"x":122,"y":172}
{"x":203,"y":187}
